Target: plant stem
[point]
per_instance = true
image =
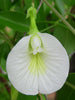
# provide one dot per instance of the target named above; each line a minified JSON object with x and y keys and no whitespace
{"x":70,"y":85}
{"x":48,"y":28}
{"x":55,"y":23}
{"x":42,"y":97}
{"x":60,"y":16}
{"x":39,"y":5}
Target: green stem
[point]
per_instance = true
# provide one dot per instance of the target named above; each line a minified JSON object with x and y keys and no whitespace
{"x":32,"y":13}
{"x":51,"y":22}
{"x":60,"y":16}
{"x":42,"y":97}
{"x":48,"y":28}
{"x":70,"y":85}
{"x":55,"y":23}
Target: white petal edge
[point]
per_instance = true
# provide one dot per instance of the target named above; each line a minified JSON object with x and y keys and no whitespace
{"x":57,"y":65}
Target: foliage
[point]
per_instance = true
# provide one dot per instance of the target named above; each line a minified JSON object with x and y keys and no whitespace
{"x":14,"y":25}
{"x":68,"y":90}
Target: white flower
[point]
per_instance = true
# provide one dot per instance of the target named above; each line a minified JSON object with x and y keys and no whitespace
{"x":38,"y":64}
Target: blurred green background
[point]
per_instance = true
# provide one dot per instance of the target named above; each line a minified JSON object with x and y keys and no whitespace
{"x":14,"y":25}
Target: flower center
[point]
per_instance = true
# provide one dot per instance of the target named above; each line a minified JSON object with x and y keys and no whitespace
{"x":37,"y":50}
{"x":37,"y":65}
{"x":36,"y":44}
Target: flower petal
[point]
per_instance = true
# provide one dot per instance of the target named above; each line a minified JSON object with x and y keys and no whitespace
{"x":44,"y":72}
{"x":17,"y":68}
{"x":57,"y":65}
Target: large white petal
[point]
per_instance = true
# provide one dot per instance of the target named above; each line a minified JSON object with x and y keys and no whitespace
{"x":17,"y":68}
{"x":56,"y":63}
{"x":44,"y":73}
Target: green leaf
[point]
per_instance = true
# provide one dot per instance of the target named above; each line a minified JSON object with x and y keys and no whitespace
{"x":3,"y":64}
{"x":15,"y":20}
{"x":70,"y":2}
{"x":73,"y":15}
{"x":46,"y":8}
{"x":68,"y":90}
{"x":26,"y":97}
{"x":71,"y":79}
{"x":28,"y":3}
{"x":66,"y":38}
{"x":41,"y":15}
{"x":1,"y":26}
{"x":5,"y":4}
{"x":4,"y":50}
{"x":15,"y":95}
{"x":60,"y":5}
{"x":4,"y":95}
{"x":4,"y":76}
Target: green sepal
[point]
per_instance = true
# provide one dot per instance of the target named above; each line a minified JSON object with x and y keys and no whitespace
{"x":32,"y":13}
